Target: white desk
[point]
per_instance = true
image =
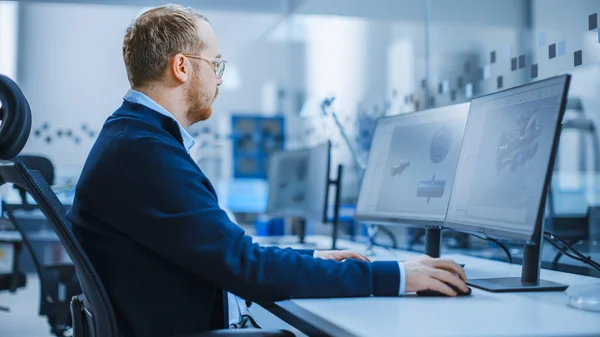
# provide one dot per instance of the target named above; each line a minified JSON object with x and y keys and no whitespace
{"x":482,"y":314}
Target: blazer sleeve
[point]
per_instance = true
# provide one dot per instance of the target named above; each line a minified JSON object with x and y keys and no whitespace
{"x":173,"y":213}
{"x":309,"y":252}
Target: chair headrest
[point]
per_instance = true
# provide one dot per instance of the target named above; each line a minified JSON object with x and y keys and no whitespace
{"x":15,"y":119}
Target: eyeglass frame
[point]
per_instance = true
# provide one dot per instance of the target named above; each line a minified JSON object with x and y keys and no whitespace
{"x":215,"y":62}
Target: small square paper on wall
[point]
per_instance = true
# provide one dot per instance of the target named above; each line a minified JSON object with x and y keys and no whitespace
{"x":7,"y":252}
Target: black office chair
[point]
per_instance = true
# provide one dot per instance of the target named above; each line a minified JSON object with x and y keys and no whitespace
{"x":58,"y":281}
{"x":92,"y":312}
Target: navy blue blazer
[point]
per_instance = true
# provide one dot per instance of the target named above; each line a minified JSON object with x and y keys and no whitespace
{"x":150,"y":222}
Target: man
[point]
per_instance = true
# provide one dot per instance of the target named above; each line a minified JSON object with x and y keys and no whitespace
{"x":150,"y":221}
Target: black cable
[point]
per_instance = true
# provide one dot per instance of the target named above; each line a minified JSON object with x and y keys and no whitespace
{"x":560,"y":254}
{"x":569,"y":246}
{"x":389,"y":234}
{"x":587,"y":261}
{"x":500,"y":244}
{"x":549,"y":237}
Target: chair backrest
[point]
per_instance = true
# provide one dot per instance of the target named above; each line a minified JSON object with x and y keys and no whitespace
{"x":38,"y":163}
{"x":97,"y":301}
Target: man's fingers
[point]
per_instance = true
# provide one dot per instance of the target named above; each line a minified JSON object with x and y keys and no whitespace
{"x":434,"y":284}
{"x":448,"y":277}
{"x":451,"y":266}
{"x":355,"y":255}
{"x":360,"y":257}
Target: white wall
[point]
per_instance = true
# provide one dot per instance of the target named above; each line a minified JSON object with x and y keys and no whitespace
{"x":569,"y":23}
{"x":8,"y":38}
{"x":71,"y":70}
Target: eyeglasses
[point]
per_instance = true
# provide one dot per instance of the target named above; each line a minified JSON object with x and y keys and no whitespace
{"x":217,"y":64}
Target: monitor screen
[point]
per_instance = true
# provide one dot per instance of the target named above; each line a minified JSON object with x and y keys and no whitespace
{"x":298,"y":182}
{"x":504,"y":164}
{"x":411,"y":166}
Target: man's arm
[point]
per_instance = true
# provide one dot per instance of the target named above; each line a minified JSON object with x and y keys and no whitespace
{"x":174,"y":214}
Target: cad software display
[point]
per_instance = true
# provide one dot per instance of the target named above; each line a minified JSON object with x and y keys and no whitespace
{"x":411,"y":165}
{"x":298,"y":181}
{"x":506,"y":150}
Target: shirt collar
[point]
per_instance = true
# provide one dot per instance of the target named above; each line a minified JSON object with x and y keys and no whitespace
{"x":135,"y":96}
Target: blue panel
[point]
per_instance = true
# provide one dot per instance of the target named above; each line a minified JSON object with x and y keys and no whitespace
{"x":247,"y":195}
{"x":254,"y":138}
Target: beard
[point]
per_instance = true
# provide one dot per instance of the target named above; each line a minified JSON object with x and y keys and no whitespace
{"x":199,"y":101}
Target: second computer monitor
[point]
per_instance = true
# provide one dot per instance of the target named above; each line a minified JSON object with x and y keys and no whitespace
{"x":411,"y":166}
{"x":506,"y":160}
{"x":298,"y":183}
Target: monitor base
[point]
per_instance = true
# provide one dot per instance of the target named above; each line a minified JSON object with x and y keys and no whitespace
{"x":515,"y":284}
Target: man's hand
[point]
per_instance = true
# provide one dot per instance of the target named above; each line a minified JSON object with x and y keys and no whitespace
{"x":429,"y":273}
{"x":340,"y":255}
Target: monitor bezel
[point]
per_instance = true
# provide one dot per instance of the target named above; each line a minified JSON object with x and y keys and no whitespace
{"x":535,"y":235}
{"x":405,"y":221}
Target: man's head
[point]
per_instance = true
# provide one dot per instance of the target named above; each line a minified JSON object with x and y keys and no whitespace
{"x":174,"y":48}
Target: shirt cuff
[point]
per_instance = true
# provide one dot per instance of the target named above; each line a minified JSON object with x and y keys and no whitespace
{"x":402,"y":278}
{"x":316,"y":254}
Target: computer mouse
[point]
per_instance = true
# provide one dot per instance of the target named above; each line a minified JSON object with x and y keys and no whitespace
{"x":432,"y":293}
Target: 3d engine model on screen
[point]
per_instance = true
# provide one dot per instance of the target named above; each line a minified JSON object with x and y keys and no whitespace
{"x":398,"y":169}
{"x":431,"y":188}
{"x":518,"y":146}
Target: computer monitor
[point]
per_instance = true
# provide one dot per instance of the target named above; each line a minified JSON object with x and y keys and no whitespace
{"x":504,"y":169}
{"x":410,"y":169}
{"x":298,"y":183}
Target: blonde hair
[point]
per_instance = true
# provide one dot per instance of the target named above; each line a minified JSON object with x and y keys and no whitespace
{"x":155,"y":37}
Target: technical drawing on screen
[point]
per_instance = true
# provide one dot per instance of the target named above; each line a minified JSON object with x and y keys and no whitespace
{"x":411,"y":166}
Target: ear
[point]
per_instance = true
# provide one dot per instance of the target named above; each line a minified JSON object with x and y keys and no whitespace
{"x":180,"y":68}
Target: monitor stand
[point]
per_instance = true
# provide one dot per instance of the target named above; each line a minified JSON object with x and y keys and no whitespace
{"x":433,"y":241}
{"x":301,"y":227}
{"x":337,"y":183}
{"x":529,"y":280}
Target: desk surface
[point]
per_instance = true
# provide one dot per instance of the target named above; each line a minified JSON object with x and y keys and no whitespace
{"x":482,"y":314}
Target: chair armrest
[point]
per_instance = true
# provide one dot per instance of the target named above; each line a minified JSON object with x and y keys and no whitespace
{"x":242,"y":333}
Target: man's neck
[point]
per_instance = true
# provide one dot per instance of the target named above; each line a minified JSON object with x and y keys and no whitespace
{"x":169,"y":99}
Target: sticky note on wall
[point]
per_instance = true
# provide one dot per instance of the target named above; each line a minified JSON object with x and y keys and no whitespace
{"x":469,"y":90}
{"x":541,"y":39}
{"x":534,"y":70}
{"x":561,"y":48}
{"x":593,"y":21}
{"x":552,"y":51}
{"x":6,"y":258}
{"x":577,"y":58}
